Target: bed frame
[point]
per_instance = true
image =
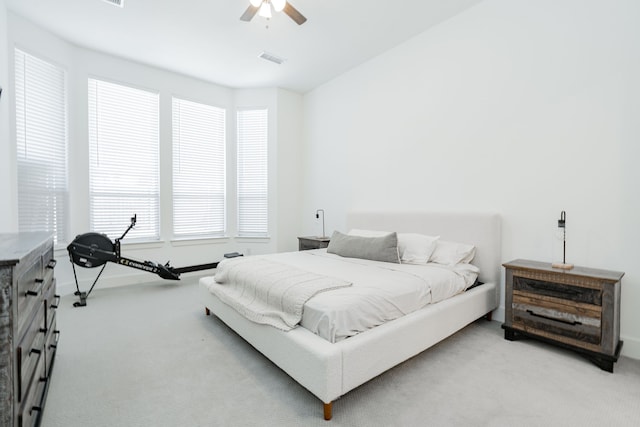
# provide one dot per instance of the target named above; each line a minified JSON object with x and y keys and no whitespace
{"x":329,"y":370}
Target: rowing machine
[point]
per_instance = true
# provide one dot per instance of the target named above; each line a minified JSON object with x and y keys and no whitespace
{"x":91,"y":250}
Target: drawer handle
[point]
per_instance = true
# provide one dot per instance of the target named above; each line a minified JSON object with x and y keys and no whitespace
{"x":35,"y":408}
{"x":56,"y":331}
{"x":43,"y":330}
{"x":566,"y":322}
{"x":53,"y":346}
{"x":31,"y":293}
{"x":39,"y":280}
{"x":52,"y":263}
{"x":57,"y":297}
{"x":35,"y":350}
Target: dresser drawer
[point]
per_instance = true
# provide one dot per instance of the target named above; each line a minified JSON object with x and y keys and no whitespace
{"x":47,"y":282}
{"x":31,"y":406}
{"x":51,"y":345}
{"x":29,"y":286}
{"x":29,"y":353}
{"x":51,"y":301}
{"x":47,"y":258}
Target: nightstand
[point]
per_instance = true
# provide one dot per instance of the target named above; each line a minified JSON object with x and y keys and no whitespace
{"x":312,"y":242}
{"x":578,"y":309}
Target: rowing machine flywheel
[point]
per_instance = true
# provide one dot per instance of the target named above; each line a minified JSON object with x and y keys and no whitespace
{"x":83,"y":249}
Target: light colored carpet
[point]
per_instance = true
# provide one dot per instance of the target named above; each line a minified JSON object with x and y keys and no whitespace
{"x":147,"y":355}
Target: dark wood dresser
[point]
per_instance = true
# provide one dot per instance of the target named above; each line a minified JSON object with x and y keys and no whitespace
{"x":578,"y":309}
{"x":312,"y":242}
{"x":28,"y":334}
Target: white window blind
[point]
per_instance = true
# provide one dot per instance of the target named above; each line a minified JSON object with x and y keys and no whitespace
{"x":198,"y":169}
{"x":41,"y":137}
{"x":252,"y":167}
{"x":124,"y":160}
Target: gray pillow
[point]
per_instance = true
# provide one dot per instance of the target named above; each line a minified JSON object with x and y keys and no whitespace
{"x":383,"y":248}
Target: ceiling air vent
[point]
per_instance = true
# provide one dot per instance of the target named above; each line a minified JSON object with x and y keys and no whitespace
{"x":271,"y":57}
{"x":119,"y":3}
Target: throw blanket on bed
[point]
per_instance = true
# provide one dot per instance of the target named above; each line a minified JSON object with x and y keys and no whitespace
{"x":269,"y":292}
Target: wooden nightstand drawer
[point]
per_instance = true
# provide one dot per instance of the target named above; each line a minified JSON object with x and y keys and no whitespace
{"x":558,"y":290}
{"x":577,"y":309}
{"x":548,"y":318}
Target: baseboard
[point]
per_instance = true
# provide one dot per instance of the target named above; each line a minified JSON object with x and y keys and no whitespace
{"x":631,"y":347}
{"x":498,"y":314}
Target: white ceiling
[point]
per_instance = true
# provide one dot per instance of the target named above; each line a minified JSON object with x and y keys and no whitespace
{"x":206,"y":39}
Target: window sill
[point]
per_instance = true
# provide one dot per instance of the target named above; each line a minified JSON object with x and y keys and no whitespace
{"x":246,"y":239}
{"x":190,"y":241}
{"x":143,"y":244}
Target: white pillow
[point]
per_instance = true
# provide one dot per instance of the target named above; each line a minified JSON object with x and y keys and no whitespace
{"x":416,"y":248}
{"x":413,"y":248}
{"x":452,"y":253}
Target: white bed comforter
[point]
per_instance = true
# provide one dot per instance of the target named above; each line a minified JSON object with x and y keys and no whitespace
{"x":269,"y":292}
{"x":380,"y":291}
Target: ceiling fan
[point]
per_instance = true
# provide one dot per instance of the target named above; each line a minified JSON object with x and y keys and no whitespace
{"x":263,"y":8}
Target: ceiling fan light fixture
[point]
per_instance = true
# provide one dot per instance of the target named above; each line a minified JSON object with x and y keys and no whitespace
{"x":255,"y":3}
{"x":265,"y":10}
{"x":278,"y":5}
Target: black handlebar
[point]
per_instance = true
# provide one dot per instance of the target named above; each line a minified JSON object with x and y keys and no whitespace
{"x":133,"y":223}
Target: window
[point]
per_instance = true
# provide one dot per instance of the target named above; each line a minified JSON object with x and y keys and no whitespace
{"x":198,"y":169}
{"x":124,"y":160}
{"x":252,"y":173}
{"x":41,"y":137}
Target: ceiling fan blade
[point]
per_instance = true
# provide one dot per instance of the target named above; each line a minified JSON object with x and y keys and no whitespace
{"x":249,"y":13}
{"x":294,"y":14}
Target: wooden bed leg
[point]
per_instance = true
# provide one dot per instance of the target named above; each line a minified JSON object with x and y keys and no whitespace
{"x":328,"y":409}
{"x":207,"y":312}
{"x":488,"y":316}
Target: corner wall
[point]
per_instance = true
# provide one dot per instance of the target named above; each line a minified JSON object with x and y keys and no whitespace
{"x":7,"y":219}
{"x":523,"y":108}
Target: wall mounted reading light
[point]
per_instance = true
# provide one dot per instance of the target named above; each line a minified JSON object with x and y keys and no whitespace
{"x":318,"y":216}
{"x":562,"y":226}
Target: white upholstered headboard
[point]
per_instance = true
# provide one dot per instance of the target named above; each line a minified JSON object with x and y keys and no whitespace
{"x":479,"y":229}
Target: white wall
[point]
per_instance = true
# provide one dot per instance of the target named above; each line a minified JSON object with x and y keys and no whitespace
{"x":7,"y":219}
{"x":81,"y":64}
{"x":523,"y":107}
{"x":289,"y":169}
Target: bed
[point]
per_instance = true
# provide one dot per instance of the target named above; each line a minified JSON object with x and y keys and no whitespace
{"x":329,"y":370}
